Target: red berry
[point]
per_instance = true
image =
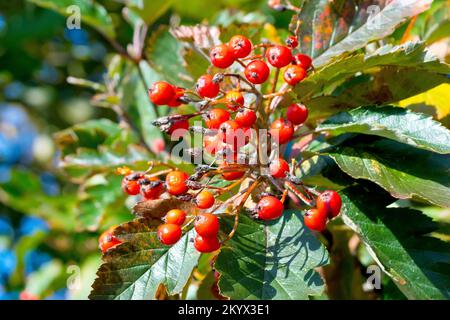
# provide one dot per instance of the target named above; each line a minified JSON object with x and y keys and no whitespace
{"x":235,"y":100}
{"x":207,"y":225}
{"x":151,"y":188}
{"x":329,"y":202}
{"x":108,"y":240}
{"x":180,"y":124}
{"x":212,"y":144}
{"x":245,"y":118}
{"x":204,"y":200}
{"x":206,"y":87}
{"x":206,"y":244}
{"x":297,"y":113}
{"x":161,"y":93}
{"x":175,"y":216}
{"x":278,"y":168}
{"x":302,"y":60}
{"x":175,"y":101}
{"x":130,"y":183}
{"x":176,"y":182}
{"x":222,"y":56}
{"x":228,"y":131}
{"x":292,"y":42}
{"x":169,"y":233}
{"x":230,"y":175}
{"x":283,"y":130}
{"x":240,"y":46}
{"x":294,"y":74}
{"x":315,"y":219}
{"x":269,"y":208}
{"x":257,"y":72}
{"x":279,"y":56}
{"x":215,"y":117}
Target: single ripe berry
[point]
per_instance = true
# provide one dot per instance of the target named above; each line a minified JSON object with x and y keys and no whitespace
{"x":230,"y":175}
{"x":130,"y":183}
{"x":292,"y":42}
{"x":329,"y":202}
{"x":176,"y":182}
{"x":257,"y":72}
{"x":227,"y":131}
{"x":294,"y":74}
{"x":175,"y":216}
{"x":235,"y":100}
{"x":222,"y":56}
{"x":297,"y":113}
{"x":207,"y":225}
{"x":240,"y":46}
{"x":161,"y":93}
{"x":282,"y":129}
{"x":278,"y":168}
{"x":279,"y":56}
{"x":169,"y":233}
{"x":212,"y":144}
{"x":108,"y":240}
{"x":180,"y":124}
{"x":302,"y":60}
{"x":206,"y":244}
{"x":151,"y":188}
{"x":206,"y":87}
{"x":175,"y":101}
{"x":315,"y":219}
{"x":245,"y":118}
{"x":215,"y":117}
{"x":269,"y":208}
{"x":204,"y":200}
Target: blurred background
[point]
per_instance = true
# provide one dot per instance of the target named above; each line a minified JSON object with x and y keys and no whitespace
{"x":44,"y":251}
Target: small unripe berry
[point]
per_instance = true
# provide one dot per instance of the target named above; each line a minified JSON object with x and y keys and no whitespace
{"x":169,"y":233}
{"x":240,"y":46}
{"x":206,"y":244}
{"x":279,"y":56}
{"x":176,"y":182}
{"x":278,"y":168}
{"x":207,"y":225}
{"x":215,"y":117}
{"x":302,"y":60}
{"x":108,"y":240}
{"x":283,"y":130}
{"x":269,"y":208}
{"x":315,"y":220}
{"x":204,"y":200}
{"x":245,"y":118}
{"x":329,"y":202}
{"x":206,"y":87}
{"x":175,"y":216}
{"x":294,"y":74}
{"x":221,"y":56}
{"x":257,"y":72}
{"x":161,"y":93}
{"x":297,"y":113}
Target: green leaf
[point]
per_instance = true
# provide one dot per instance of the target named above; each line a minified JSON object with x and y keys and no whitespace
{"x":398,"y":124}
{"x":419,"y":264}
{"x":404,"y":171}
{"x":90,"y":12}
{"x":274,"y":260}
{"x":329,"y":29}
{"x":136,"y":268}
{"x":149,"y":10}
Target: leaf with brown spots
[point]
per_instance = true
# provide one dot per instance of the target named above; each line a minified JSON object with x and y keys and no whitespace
{"x":159,"y":207}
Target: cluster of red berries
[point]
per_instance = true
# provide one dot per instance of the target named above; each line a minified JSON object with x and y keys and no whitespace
{"x":328,"y":206}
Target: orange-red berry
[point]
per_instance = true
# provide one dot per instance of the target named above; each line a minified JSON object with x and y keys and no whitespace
{"x":222,"y":56}
{"x":269,"y":208}
{"x":235,"y":100}
{"x":180,"y":124}
{"x":161,"y":93}
{"x":205,"y":200}
{"x":297,"y":113}
{"x":294,"y":74}
{"x":169,"y":233}
{"x":207,"y":224}
{"x":108,"y":240}
{"x":130,"y":183}
{"x":175,"y":101}
{"x":278,"y":168}
{"x":302,"y":60}
{"x":292,"y":42}
{"x":151,"y":188}
{"x":175,"y":216}
{"x":245,"y":118}
{"x":282,"y":130}
{"x":279,"y":56}
{"x":315,"y":219}
{"x":257,"y":72}
{"x":230,"y":175}
{"x":329,"y":202}
{"x":176,"y":182}
{"x":206,"y":87}
{"x":215,"y":117}
{"x":240,"y":46}
{"x":206,"y":244}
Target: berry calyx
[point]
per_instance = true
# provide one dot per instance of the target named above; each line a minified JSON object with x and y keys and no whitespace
{"x":240,"y":46}
{"x":176,"y":182}
{"x":205,"y":200}
{"x":215,"y":117}
{"x":329,"y":202}
{"x":206,"y":87}
{"x":108,"y":240}
{"x":282,"y":129}
{"x":235,"y":100}
{"x":245,"y":118}
{"x":302,"y":60}
{"x":257,"y":72}
{"x":206,"y":244}
{"x":151,"y":188}
{"x":222,"y":56}
{"x":130,"y":184}
{"x":294,"y":74}
{"x":180,"y":124}
{"x":169,"y":233}
{"x":279,"y":56}
{"x":315,"y":219}
{"x":292,"y":42}
{"x":297,"y":113}
{"x":269,"y":208}
{"x":175,"y":216}
{"x":161,"y":93}
{"x":207,"y":225}
{"x":278,"y":168}
{"x":230,"y":175}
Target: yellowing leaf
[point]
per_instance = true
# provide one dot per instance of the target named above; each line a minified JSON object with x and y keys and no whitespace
{"x":437,"y":97}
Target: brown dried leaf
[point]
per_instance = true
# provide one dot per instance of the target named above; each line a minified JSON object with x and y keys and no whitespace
{"x":159,"y":207}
